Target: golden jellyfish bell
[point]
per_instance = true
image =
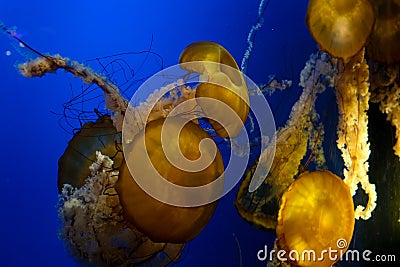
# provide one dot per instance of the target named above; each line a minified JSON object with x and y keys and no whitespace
{"x":225,"y":83}
{"x":159,"y":221}
{"x":316,"y":214}
{"x":340,"y":27}
{"x":207,"y":51}
{"x":384,"y":42}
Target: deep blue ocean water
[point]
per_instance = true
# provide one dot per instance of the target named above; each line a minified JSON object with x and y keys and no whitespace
{"x":32,"y":139}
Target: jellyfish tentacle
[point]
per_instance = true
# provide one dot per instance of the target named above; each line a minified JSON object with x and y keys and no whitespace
{"x":115,"y":102}
{"x":252,"y":34}
{"x":260,"y":207}
{"x":94,"y":228}
{"x":351,"y":83}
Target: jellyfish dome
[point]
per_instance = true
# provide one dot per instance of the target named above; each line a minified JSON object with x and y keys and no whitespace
{"x":340,"y":27}
{"x":160,"y":221}
{"x":225,"y":83}
{"x":316,"y":214}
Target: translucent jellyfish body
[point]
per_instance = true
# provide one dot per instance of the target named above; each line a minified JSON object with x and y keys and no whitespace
{"x":340,"y":27}
{"x":344,"y":27}
{"x":160,"y":221}
{"x":225,"y":84}
{"x":317,"y":215}
{"x":73,"y":165}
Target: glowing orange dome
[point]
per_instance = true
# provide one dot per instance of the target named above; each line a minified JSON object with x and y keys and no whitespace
{"x":207,"y":51}
{"x":225,"y":84}
{"x":316,"y":214}
{"x":159,"y":221}
{"x":340,"y":27}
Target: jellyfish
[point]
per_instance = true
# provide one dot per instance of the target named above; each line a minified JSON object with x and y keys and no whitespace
{"x":358,"y":60}
{"x":346,"y":71}
{"x":316,"y":214}
{"x":73,"y":165}
{"x":159,"y":220}
{"x":343,"y":28}
{"x":94,"y":229}
{"x":224,"y":84}
{"x":108,"y":196}
{"x":340,"y":27}
{"x":149,"y":147}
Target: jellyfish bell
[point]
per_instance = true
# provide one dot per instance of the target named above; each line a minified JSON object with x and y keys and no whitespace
{"x":316,"y":214}
{"x":207,"y":51}
{"x":160,"y":221}
{"x":225,"y":83}
{"x":94,"y":228}
{"x":340,"y":27}
{"x":73,"y":165}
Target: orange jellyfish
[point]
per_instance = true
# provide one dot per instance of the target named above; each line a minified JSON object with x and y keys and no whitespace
{"x":340,"y":27}
{"x":93,"y":227}
{"x":73,"y":165}
{"x":260,"y":207}
{"x":225,"y":83}
{"x":316,"y":219}
{"x":343,"y":28}
{"x":160,"y":221}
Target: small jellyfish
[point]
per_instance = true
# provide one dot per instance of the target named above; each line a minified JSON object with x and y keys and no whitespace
{"x":316,"y":214}
{"x":224,"y":83}
{"x":73,"y":165}
{"x":340,"y":27}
